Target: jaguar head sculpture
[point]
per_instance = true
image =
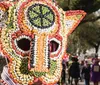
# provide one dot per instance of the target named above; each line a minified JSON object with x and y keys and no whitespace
{"x":34,"y":39}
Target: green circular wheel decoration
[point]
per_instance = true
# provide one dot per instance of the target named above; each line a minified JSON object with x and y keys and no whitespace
{"x":40,"y":16}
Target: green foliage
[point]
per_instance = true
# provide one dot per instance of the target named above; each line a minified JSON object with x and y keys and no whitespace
{"x":87,"y":5}
{"x":86,"y":36}
{"x":76,"y":44}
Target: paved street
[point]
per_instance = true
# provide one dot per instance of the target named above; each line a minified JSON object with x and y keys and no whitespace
{"x":82,"y":83}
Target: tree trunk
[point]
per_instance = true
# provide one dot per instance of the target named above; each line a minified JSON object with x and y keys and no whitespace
{"x":96,"y":50}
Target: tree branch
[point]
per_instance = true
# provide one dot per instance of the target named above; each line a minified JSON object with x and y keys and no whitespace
{"x":90,"y":20}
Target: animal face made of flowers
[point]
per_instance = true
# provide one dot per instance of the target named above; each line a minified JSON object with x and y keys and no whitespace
{"x":34,"y":39}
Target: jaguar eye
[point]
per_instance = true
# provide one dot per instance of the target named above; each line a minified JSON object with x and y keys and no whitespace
{"x":40,"y":16}
{"x":53,"y":46}
{"x":23,"y":44}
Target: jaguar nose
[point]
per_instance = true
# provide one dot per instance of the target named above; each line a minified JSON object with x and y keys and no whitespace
{"x":39,"y":58}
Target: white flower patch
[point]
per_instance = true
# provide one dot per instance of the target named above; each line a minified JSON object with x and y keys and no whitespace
{"x":69,"y":23}
{"x":47,"y":53}
{"x":2,"y":18}
{"x":35,"y":50}
{"x":1,"y":14}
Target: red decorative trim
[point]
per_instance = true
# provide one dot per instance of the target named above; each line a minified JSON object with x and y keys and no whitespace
{"x":75,"y":12}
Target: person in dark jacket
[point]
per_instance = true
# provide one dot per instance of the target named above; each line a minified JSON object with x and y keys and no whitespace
{"x":74,"y":71}
{"x":95,"y":72}
{"x":86,"y":73}
{"x":63,"y":74}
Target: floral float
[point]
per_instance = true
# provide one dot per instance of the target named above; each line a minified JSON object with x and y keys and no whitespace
{"x":34,"y":39}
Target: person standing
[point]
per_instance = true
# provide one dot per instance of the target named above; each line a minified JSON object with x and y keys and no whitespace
{"x":86,"y":73}
{"x":63,"y":74}
{"x":69,"y":64}
{"x":81,"y":67}
{"x":95,"y":72}
{"x":74,"y":71}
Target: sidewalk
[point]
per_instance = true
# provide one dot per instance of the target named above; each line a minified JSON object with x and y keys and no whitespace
{"x":82,"y":83}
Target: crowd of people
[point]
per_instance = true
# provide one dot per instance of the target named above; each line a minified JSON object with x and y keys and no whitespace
{"x":80,"y":71}
{"x":74,"y":71}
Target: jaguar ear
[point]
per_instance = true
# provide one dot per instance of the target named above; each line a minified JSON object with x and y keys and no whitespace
{"x":4,"y":7}
{"x":72,"y":19}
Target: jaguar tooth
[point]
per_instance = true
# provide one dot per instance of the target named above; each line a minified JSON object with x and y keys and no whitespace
{"x":18,"y":38}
